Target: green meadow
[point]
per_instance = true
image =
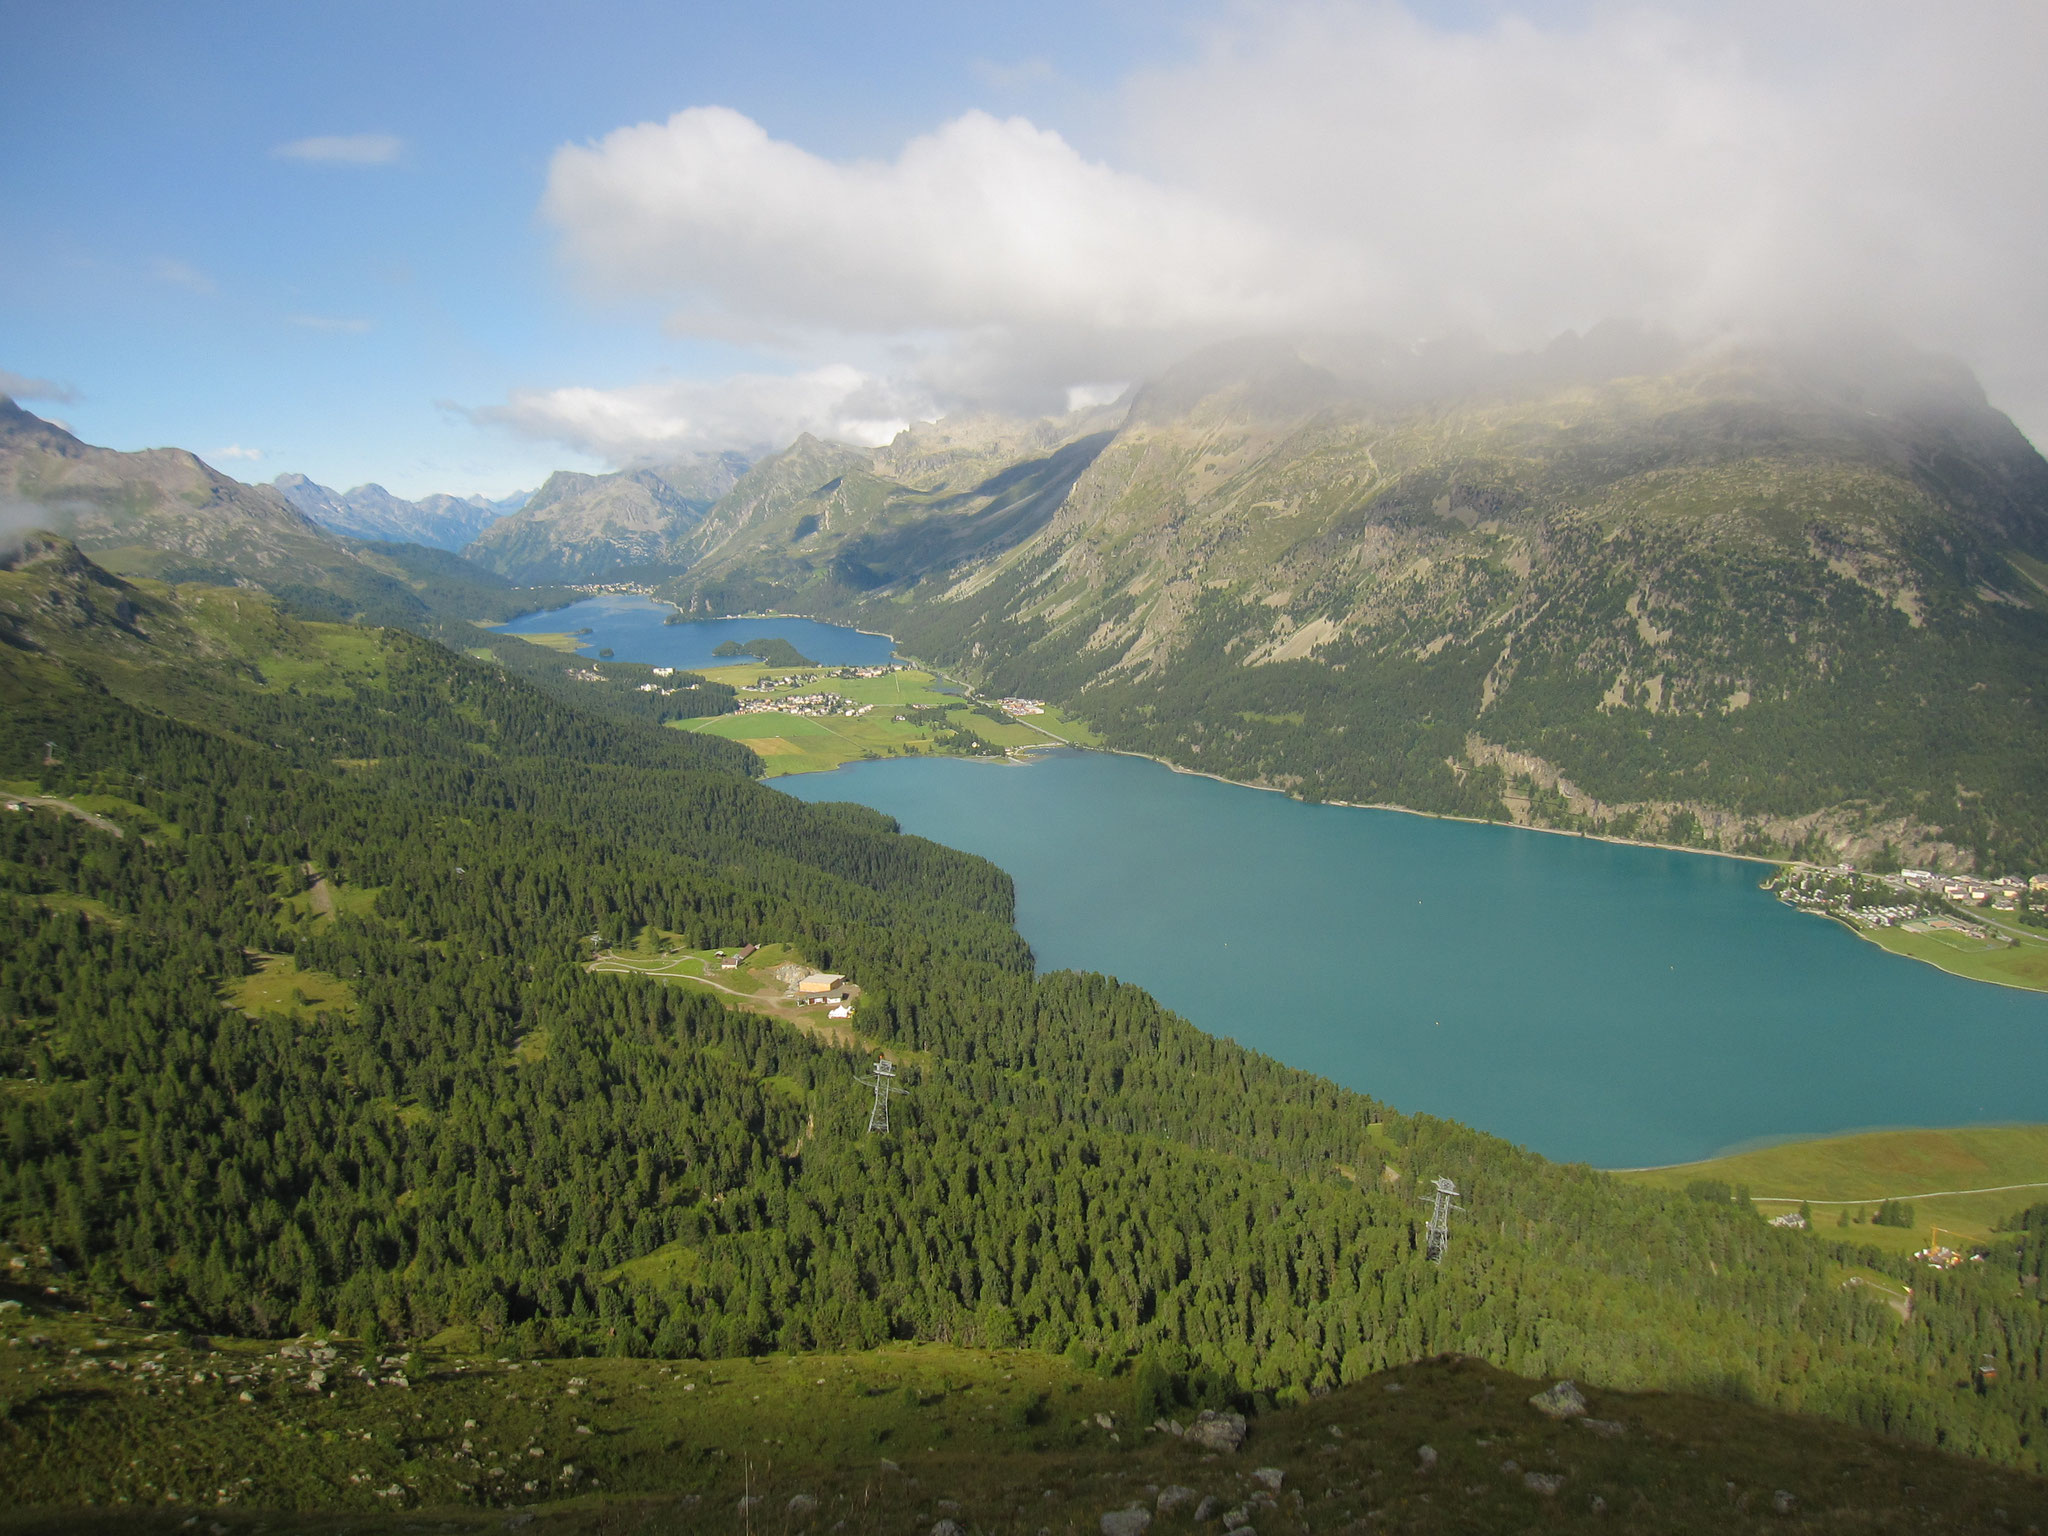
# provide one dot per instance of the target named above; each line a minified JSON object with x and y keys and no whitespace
{"x":1994,"y":960}
{"x":913,"y":713}
{"x":1853,"y":1174}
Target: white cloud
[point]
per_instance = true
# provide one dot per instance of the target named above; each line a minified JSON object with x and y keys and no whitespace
{"x":179,"y":274}
{"x":331,"y":323}
{"x":237,"y":451}
{"x":343,"y":149}
{"x":758,"y":412}
{"x":1081,"y":397}
{"x":21,"y":386}
{"x":987,"y":242}
{"x":1363,"y":167}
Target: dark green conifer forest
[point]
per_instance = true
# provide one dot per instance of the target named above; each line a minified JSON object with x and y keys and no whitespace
{"x":481,"y":1131}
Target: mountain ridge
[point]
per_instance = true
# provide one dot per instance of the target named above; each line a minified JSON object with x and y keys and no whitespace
{"x":1762,"y":598}
{"x":584,"y":527}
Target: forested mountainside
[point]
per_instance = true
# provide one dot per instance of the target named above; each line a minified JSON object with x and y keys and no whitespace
{"x":164,"y":513}
{"x":371,"y":512}
{"x":1774,"y":600}
{"x":635,"y":523}
{"x":453,"y":1120}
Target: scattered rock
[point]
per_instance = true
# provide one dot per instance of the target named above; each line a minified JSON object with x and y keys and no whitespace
{"x":802,"y":1505}
{"x":1126,"y":1522}
{"x":1425,"y":1459}
{"x":1236,"y":1519}
{"x":1545,"y":1483}
{"x":1336,"y":1432}
{"x":1104,"y":1421}
{"x":1222,"y":1431}
{"x":890,"y":1466}
{"x":1599,"y":1505}
{"x":948,"y":1528}
{"x":1392,"y":1386}
{"x":1510,"y":1468}
{"x":248,"y":1397}
{"x":1562,"y":1401}
{"x":1782,"y":1502}
{"x":1167,"y":1427}
{"x":1175,"y":1496}
{"x":751,"y":1501}
{"x":1272,"y":1477}
{"x":1206,"y":1510}
{"x":947,"y":1506}
{"x":1608,"y":1429}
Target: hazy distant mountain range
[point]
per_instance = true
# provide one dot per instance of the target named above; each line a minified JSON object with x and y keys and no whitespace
{"x":371,"y":512}
{"x":165,"y":513}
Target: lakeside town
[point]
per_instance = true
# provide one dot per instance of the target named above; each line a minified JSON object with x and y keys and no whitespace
{"x":1912,"y":900}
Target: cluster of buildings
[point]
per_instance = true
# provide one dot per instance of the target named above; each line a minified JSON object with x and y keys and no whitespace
{"x":2001,"y":894}
{"x":828,"y":988}
{"x":804,"y":704}
{"x":1021,"y":706}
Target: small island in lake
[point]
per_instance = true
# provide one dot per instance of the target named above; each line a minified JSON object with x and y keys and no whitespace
{"x":773,"y":649}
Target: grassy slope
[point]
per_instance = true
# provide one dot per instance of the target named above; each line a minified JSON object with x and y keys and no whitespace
{"x":1879,"y":1165}
{"x":892,"y":1440}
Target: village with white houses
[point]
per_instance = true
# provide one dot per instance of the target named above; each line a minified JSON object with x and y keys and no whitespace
{"x":1913,"y":900}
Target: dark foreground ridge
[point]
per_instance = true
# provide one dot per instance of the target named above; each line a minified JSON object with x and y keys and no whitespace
{"x":903,"y":1438}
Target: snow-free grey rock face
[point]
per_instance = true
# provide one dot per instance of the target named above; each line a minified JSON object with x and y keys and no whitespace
{"x":580,"y":527}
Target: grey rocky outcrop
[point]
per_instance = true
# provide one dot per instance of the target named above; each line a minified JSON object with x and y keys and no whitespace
{"x":1218,"y":1430}
{"x":1562,"y":1401}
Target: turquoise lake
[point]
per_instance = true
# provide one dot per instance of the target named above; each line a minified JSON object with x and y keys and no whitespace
{"x":637,"y":629}
{"x":1621,"y":1006}
{"x":1601,"y":1003}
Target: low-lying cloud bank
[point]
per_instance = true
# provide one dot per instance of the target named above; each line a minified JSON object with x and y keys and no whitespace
{"x":1344,"y":168}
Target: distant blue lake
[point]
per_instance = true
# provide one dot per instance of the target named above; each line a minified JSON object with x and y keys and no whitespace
{"x":636,"y":629}
{"x":1621,"y":1006}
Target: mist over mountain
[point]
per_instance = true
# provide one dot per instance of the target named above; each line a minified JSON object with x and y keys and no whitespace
{"x":370,"y":512}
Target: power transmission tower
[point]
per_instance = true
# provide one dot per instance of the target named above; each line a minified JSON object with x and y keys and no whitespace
{"x":1437,"y":1236}
{"x":884,"y":1082}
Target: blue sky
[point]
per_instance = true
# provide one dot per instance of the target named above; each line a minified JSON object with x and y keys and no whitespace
{"x":513,"y":237}
{"x":191,"y":287}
